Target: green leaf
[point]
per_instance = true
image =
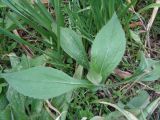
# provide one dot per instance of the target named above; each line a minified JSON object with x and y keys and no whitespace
{"x":149,"y":7}
{"x":17,"y":103}
{"x":45,"y":115}
{"x":157,"y":88}
{"x":36,"y":106}
{"x":14,"y":60}
{"x":116,"y":115}
{"x":150,"y":109}
{"x":150,"y":67}
{"x":42,"y":82}
{"x":94,"y":77}
{"x":108,"y":48}
{"x":127,"y":114}
{"x":140,"y":101}
{"x":1,"y":86}
{"x":2,"y":5}
{"x":59,"y":19}
{"x":97,"y":118}
{"x":39,"y":60}
{"x":145,"y":63}
{"x":6,"y":114}
{"x":135,"y":37}
{"x":69,"y":96}
{"x":153,"y":74}
{"x":72,"y":44}
{"x":3,"y":102}
{"x":25,"y":62}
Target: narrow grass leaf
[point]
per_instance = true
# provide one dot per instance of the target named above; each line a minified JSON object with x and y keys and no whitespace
{"x":149,"y":7}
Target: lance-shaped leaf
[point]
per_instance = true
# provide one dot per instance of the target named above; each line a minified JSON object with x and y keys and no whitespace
{"x":42,"y":82}
{"x":72,"y":44}
{"x":107,"y":49}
